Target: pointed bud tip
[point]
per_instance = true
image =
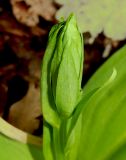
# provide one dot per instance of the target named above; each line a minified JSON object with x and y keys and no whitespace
{"x":71,"y":19}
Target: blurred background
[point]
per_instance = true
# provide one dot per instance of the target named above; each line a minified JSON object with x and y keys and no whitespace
{"x":24,"y":28}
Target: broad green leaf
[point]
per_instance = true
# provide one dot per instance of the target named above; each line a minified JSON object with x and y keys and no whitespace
{"x":17,"y":145}
{"x":79,"y":109}
{"x":120,"y":154}
{"x":104,"y":130}
{"x":73,"y":140}
{"x":75,"y":127}
{"x":117,"y":61}
{"x":97,"y":16}
{"x":17,"y":134}
{"x":14,"y":150}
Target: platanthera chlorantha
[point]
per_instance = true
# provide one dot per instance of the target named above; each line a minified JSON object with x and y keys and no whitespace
{"x":61,"y":89}
{"x":81,"y":124}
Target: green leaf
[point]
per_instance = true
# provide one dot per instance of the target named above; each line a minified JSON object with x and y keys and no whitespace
{"x":17,"y":134}
{"x":79,"y":109}
{"x":97,"y":16}
{"x":13,"y":150}
{"x":117,"y":61}
{"x":17,"y":145}
{"x":104,"y":130}
{"x":75,"y":127}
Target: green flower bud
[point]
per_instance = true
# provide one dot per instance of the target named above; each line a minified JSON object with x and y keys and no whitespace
{"x":66,"y":67}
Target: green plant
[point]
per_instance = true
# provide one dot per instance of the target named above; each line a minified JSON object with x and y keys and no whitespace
{"x":94,"y":125}
{"x":89,"y":130}
{"x":61,"y":90}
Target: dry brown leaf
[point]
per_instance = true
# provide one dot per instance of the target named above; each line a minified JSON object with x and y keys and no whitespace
{"x":24,"y":113}
{"x":9,"y":25}
{"x":28,"y":11}
{"x":21,"y":47}
{"x":37,"y":31}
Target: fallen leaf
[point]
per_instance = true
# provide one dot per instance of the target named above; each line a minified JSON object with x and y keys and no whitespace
{"x":28,"y":11}
{"x":24,"y":113}
{"x":9,"y":25}
{"x":7,"y":69}
{"x":37,"y":31}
